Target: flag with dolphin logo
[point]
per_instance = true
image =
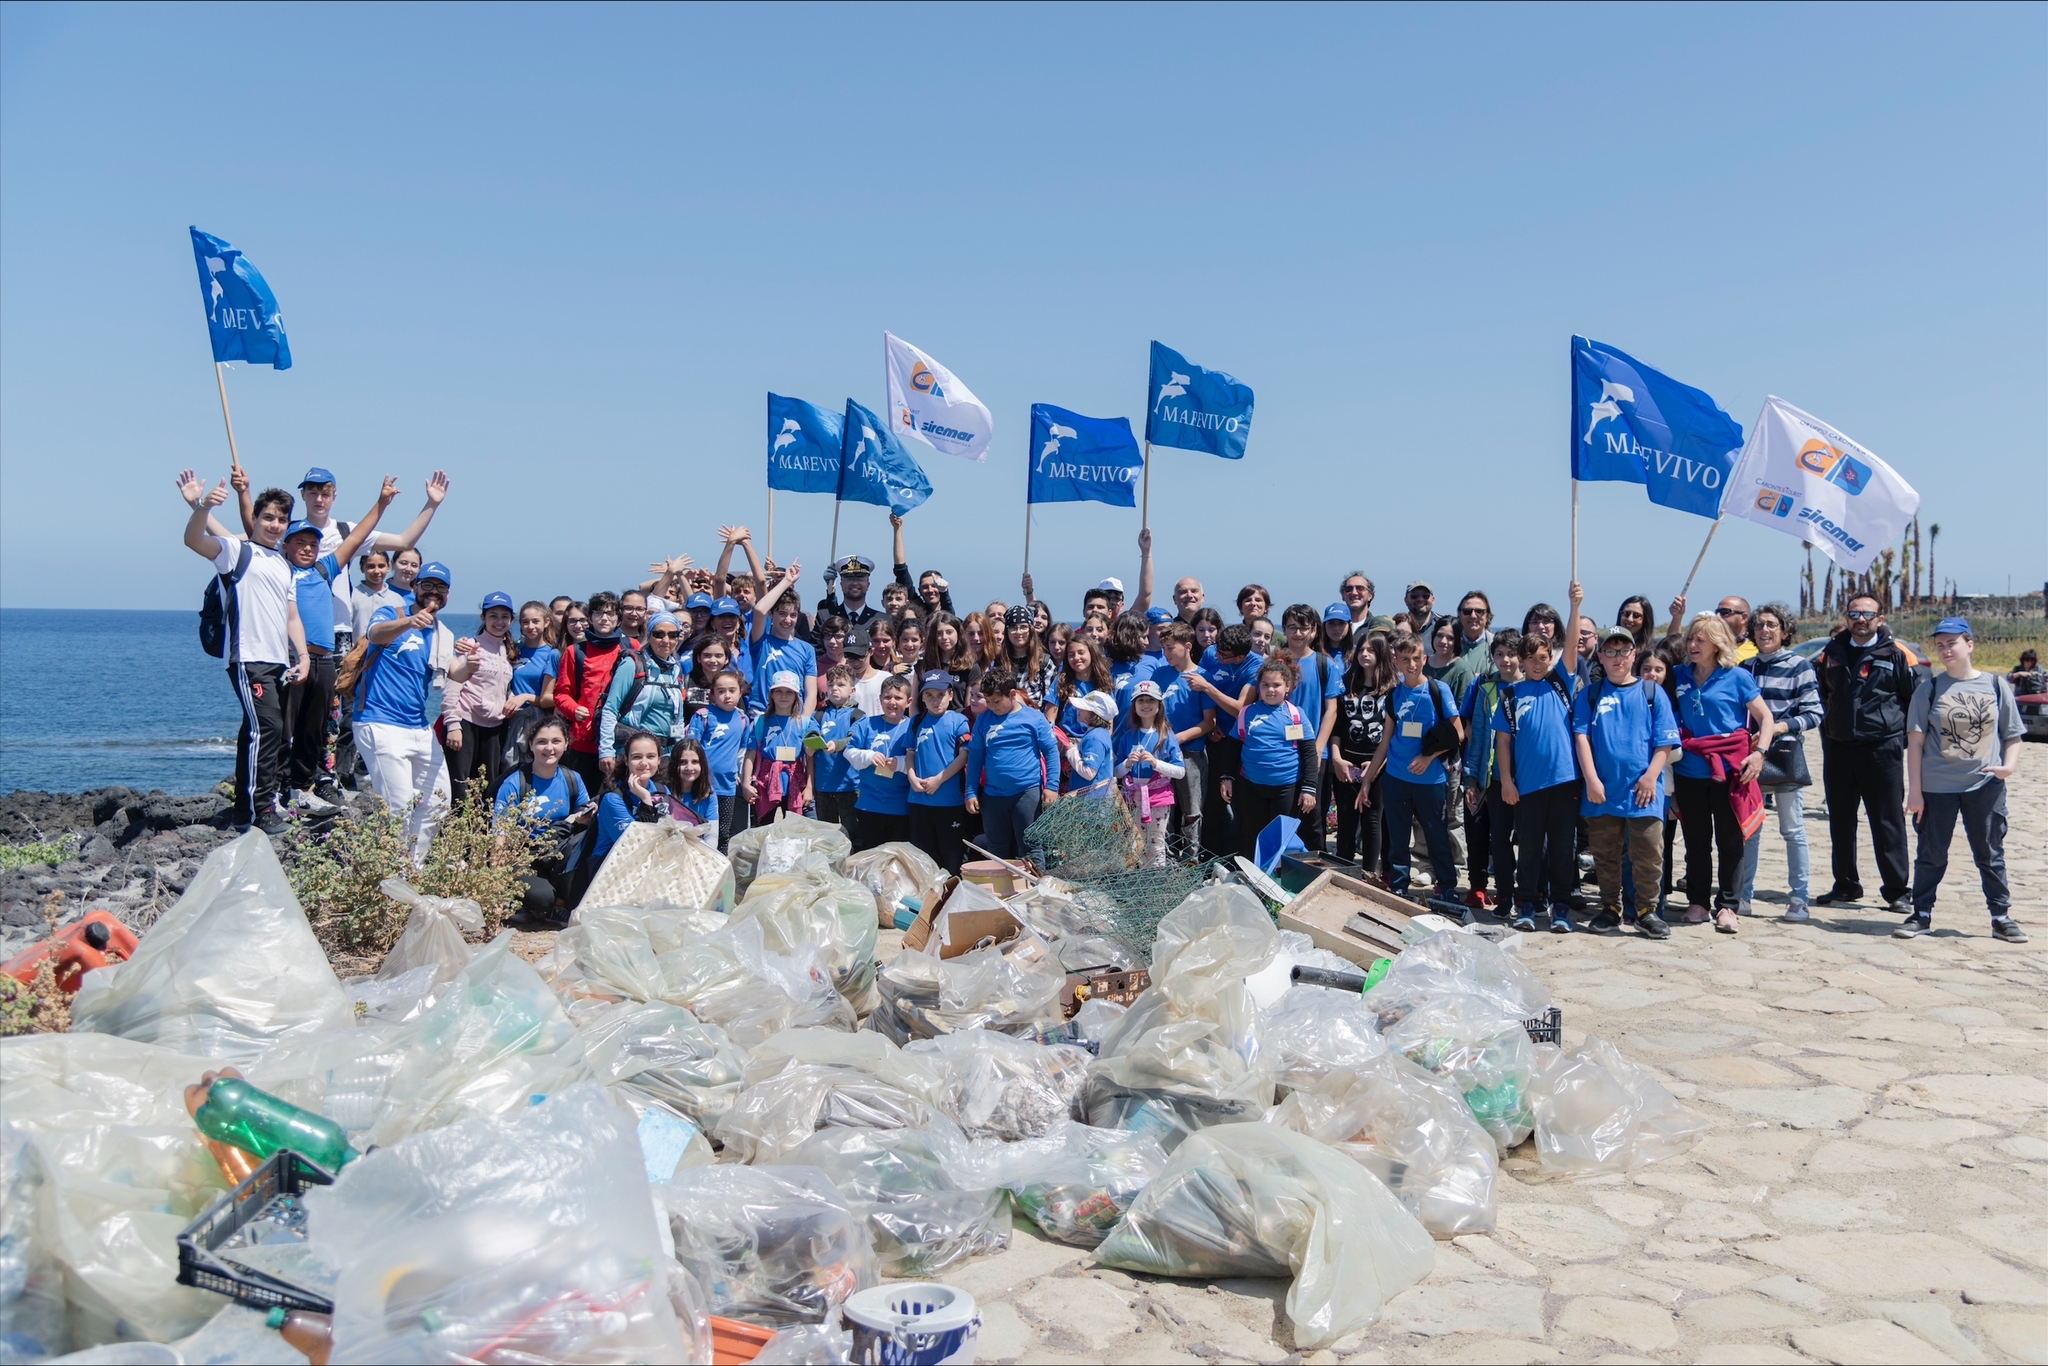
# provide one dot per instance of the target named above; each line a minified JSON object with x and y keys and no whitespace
{"x":241,"y":312}
{"x":928,"y":401}
{"x":874,"y":467}
{"x":803,"y":446}
{"x":1635,"y":425}
{"x":1193,"y":409}
{"x":1076,"y":459}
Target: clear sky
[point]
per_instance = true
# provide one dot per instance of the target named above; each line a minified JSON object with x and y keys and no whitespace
{"x":563,"y":253}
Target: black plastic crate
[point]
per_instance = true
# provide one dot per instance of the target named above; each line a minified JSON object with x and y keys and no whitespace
{"x":1547,"y":1028}
{"x":285,"y":1175}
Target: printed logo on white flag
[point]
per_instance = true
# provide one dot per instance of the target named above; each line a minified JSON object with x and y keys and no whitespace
{"x":1800,"y":476}
{"x":927,"y":401}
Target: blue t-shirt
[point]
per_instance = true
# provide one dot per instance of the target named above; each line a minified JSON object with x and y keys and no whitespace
{"x":1631,"y":724}
{"x":771,"y":657}
{"x":1129,"y":738}
{"x":1072,"y":727}
{"x":1231,"y":679}
{"x":1542,"y":732}
{"x":1719,"y":707}
{"x":615,"y":816}
{"x":1184,"y":707}
{"x":939,"y":740}
{"x":537,"y":664}
{"x":885,"y":796}
{"x":831,"y":772}
{"x":316,"y":599}
{"x":1270,"y":754}
{"x":769,"y":734}
{"x":397,"y":677}
{"x":560,"y":796}
{"x":1322,"y":679}
{"x":1096,"y":747}
{"x":1411,"y":712}
{"x":723,"y":734}
{"x":1012,"y":754}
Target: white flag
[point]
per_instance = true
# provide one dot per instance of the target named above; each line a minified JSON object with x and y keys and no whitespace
{"x":926,"y":401}
{"x":1800,"y":476}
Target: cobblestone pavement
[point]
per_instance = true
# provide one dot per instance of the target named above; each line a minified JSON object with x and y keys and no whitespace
{"x":1875,"y":1188}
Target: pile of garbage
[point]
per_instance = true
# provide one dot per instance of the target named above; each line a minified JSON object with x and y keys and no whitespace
{"x":712,"y":1116}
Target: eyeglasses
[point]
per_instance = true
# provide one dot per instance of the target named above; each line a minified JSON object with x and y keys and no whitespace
{"x":1861,"y":616}
{"x":1729,"y":612}
{"x":664,"y":635}
{"x":1471,"y":611}
{"x":1354,"y":590}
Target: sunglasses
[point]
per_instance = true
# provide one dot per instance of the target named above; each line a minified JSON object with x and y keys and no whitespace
{"x":664,"y":635}
{"x":1861,"y":616}
{"x":1471,"y":611}
{"x":1729,"y":612}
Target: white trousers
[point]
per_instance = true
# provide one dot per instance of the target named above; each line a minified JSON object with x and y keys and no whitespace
{"x":408,"y":772}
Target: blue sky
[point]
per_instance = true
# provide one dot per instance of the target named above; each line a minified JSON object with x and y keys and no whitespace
{"x":563,"y":252}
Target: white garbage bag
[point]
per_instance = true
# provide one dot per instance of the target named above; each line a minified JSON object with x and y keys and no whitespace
{"x":1452,"y":961}
{"x":662,"y":865}
{"x":775,"y":848}
{"x":925,"y":1210}
{"x":1259,"y":1200}
{"x":770,"y":1119}
{"x":1012,"y":988}
{"x":775,"y":1245}
{"x":1597,"y":1111}
{"x":996,"y":1086}
{"x":864,"y":1052}
{"x":526,"y":1236}
{"x":433,"y":933}
{"x":225,"y":973}
{"x":1073,"y":1181}
{"x":32,"y":1320}
{"x":661,"y":1054}
{"x":731,"y":978}
{"x":1478,"y":1046}
{"x":810,"y":906}
{"x":1313,"y":1031}
{"x":897,"y":873}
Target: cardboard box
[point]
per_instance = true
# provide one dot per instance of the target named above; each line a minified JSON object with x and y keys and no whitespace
{"x":970,"y":914}
{"x":1352,"y":919}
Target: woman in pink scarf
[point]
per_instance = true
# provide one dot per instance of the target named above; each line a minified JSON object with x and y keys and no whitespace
{"x":1725,"y":726}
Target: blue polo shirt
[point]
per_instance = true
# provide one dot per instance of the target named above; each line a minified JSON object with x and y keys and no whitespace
{"x":1717,"y":707}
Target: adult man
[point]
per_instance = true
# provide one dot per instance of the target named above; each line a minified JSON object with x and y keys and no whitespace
{"x":1963,"y":742}
{"x":1866,"y":688}
{"x":1421,"y":600}
{"x":409,"y":657}
{"x":931,"y":588}
{"x":1475,"y":641}
{"x":1734,"y":613}
{"x":852,"y":574}
{"x":1188,"y":598}
{"x":1356,"y":592}
{"x":263,"y":636}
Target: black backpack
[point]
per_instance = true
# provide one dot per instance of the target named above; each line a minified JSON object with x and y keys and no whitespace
{"x":219,"y":609}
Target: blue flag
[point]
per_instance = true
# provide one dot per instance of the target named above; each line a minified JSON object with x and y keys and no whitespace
{"x":1076,"y":459}
{"x":1195,"y":409}
{"x":803,"y":447}
{"x":241,"y":312}
{"x":874,"y":467}
{"x":1640,"y":426}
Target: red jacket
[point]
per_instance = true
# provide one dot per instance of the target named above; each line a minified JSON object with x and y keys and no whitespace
{"x":1725,"y":754}
{"x":580,"y":683}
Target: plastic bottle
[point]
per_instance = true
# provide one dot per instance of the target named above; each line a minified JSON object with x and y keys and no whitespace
{"x":257,"y":1122}
{"x":311,"y":1334}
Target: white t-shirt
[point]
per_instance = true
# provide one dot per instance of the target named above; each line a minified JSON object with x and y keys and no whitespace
{"x":331,"y":537}
{"x":867,"y":694}
{"x":366,"y":605}
{"x":262,"y":603}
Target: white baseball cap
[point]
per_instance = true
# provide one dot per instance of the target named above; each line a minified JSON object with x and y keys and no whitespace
{"x":1110,"y":586}
{"x":1100,"y":703}
{"x":786,"y":679}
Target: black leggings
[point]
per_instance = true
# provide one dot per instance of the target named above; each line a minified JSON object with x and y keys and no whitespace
{"x":1255,"y":805}
{"x":542,"y":895}
{"x":937,"y":831}
{"x":482,"y":758}
{"x":1710,"y":829}
{"x":1359,"y":833}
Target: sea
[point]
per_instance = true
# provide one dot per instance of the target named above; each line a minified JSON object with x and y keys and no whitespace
{"x":102,"y":699}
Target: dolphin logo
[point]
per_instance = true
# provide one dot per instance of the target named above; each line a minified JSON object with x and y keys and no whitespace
{"x":214,"y":267}
{"x":790,"y":428}
{"x":1052,"y":446}
{"x":1176,"y":386}
{"x":1612,"y":396}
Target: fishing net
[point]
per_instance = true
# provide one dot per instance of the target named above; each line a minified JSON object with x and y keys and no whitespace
{"x":1098,"y":849}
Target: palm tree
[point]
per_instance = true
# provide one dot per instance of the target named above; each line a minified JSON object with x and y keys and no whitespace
{"x":1933,"y":535}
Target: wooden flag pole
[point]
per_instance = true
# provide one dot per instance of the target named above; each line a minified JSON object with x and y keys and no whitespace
{"x":771,"y":524}
{"x":1575,"y":531}
{"x":220,"y":379}
{"x":1687,"y":590}
{"x":833,"y":562}
{"x":1145,"y":498}
{"x":1027,"y":505}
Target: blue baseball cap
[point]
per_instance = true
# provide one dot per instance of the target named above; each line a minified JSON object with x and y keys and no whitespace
{"x":316,"y":475}
{"x":1336,"y":611}
{"x":726,"y":607}
{"x":295,"y":528}
{"x":491,"y":600}
{"x":1159,"y":616}
{"x":434,"y":569}
{"x":937,"y":680}
{"x":697,"y":600}
{"x":1947,"y":626}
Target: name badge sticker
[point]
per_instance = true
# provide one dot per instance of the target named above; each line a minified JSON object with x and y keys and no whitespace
{"x":785,"y":754}
{"x":1294,"y":732}
{"x":1411,"y":730}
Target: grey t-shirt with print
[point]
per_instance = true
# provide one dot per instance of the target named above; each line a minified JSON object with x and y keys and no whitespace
{"x":1967,"y":722}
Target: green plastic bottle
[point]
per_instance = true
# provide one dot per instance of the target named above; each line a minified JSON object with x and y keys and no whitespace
{"x":257,"y":1122}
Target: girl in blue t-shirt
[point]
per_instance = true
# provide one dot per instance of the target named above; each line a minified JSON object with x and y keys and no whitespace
{"x":721,"y":728}
{"x":937,"y":755}
{"x":1148,"y":760}
{"x":552,"y":797}
{"x":633,"y":795}
{"x":1276,"y":756}
{"x":689,"y":799}
{"x":776,"y":764}
{"x":1087,"y":760}
{"x":876,"y":751}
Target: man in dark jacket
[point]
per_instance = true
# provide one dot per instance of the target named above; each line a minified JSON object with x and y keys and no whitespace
{"x":1866,"y":686}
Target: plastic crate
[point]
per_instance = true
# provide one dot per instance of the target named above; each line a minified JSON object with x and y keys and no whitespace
{"x":1547,"y":1028}
{"x":286,"y":1174}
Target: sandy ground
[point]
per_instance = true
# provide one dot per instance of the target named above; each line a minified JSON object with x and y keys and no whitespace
{"x":1875,"y":1188}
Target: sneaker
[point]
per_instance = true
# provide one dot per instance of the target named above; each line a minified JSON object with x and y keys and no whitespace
{"x":271,"y":822}
{"x":1697,"y":915}
{"x":1478,"y":900}
{"x":1561,"y":920}
{"x":329,"y":791}
{"x":1797,"y":913}
{"x":1838,"y":896}
{"x":2008,"y":929}
{"x":1653,"y":927}
{"x":1902,"y":905}
{"x":311,"y":803}
{"x":1914,"y":927}
{"x":1576,"y":901}
{"x":1725,"y":920}
{"x":1525,"y":919}
{"x":1607,"y":922}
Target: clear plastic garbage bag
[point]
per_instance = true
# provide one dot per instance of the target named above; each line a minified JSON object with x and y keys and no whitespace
{"x":810,"y":906}
{"x":1001,"y":1087}
{"x":1410,"y":1129}
{"x":770,"y":1119}
{"x":661,"y":1053}
{"x":122,"y":1171}
{"x":810,"y":1344}
{"x":1455,"y":962}
{"x":1597,"y":1111}
{"x":1232,"y":924}
{"x":773,"y":1245}
{"x":1258,"y":1200}
{"x":1478,"y":1047}
{"x":663,"y":865}
{"x":924,"y":1211}
{"x":225,"y":973}
{"x":776,"y":848}
{"x":521,"y":1237}
{"x":1073,"y":1181}
{"x":238,"y":1336}
{"x":397,"y":1000}
{"x":1094,"y":1018}
{"x":897,"y":872}
{"x":1080,"y":952}
{"x":731,"y":978}
{"x":1313,"y":1031}
{"x":433,"y":933}
{"x":863,"y":1052}
{"x":32,"y":1321}
{"x":1012,"y":988}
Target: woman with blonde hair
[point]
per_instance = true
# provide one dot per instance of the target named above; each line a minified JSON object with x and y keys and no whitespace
{"x":1719,"y":803}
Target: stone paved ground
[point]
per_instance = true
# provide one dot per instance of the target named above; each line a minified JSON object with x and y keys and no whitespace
{"x":1875,"y":1188}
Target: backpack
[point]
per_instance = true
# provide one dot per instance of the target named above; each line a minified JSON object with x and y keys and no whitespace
{"x":217,"y":618}
{"x":1564,"y":695}
{"x":569,"y":838}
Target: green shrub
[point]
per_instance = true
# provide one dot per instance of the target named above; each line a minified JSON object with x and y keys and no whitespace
{"x":49,"y":852}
